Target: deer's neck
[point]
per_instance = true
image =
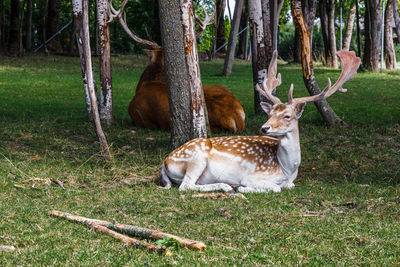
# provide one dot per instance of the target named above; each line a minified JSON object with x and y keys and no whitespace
{"x":289,"y":154}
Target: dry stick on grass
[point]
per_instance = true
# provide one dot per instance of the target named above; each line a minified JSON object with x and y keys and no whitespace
{"x":125,"y":239}
{"x":130,"y":229}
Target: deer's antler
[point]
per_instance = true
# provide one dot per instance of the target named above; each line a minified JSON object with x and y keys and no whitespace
{"x":350,"y":64}
{"x":271,"y":82}
{"x":204,"y":23}
{"x":113,"y":13}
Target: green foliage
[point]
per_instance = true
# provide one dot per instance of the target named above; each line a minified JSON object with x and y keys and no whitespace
{"x":44,"y":134}
{"x":286,"y":41}
{"x":169,"y":243}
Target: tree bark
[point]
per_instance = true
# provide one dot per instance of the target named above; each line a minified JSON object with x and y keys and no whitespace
{"x":258,"y":53}
{"x":52,"y":26}
{"x":44,"y":25}
{"x":390,"y":55}
{"x":307,"y":65}
{"x":243,"y":37}
{"x":268,"y":27}
{"x":92,"y":93}
{"x":373,"y":30}
{"x":106,"y":97}
{"x":327,"y":15}
{"x":396,"y":16}
{"x":176,"y":72}
{"x":13,"y":40}
{"x":232,"y":38}
{"x":28,"y":40}
{"x":198,"y":107}
{"x":21,"y":24}
{"x":78,"y":25}
{"x":349,"y":29}
{"x":220,"y":25}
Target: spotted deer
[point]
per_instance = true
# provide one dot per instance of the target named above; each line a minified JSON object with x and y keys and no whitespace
{"x":263,"y":163}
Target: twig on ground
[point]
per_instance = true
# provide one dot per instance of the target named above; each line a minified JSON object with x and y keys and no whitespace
{"x":219,"y":195}
{"x":130,"y":229}
{"x":126,"y":239}
{"x":59,"y":183}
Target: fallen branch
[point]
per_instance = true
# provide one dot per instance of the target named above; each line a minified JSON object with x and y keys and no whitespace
{"x":130,"y":229}
{"x":59,"y":183}
{"x":7,"y":248}
{"x":219,"y":195}
{"x":126,"y":239}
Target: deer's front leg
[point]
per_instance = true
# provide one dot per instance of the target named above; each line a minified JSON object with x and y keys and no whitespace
{"x":256,"y":186}
{"x":193,"y":174}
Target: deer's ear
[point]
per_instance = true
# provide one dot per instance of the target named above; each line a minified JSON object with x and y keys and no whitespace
{"x":298,"y":109}
{"x":267,"y":107}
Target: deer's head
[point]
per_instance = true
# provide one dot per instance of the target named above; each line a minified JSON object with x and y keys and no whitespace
{"x":283,"y":118}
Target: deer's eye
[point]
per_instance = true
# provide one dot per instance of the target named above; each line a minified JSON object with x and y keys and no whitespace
{"x":287,"y":117}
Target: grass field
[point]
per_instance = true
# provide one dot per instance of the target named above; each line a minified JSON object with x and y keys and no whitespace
{"x":344,"y":210}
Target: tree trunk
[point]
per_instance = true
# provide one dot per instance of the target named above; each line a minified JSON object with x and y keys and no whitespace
{"x":373,"y":31}
{"x":13,"y":40}
{"x":220,"y":24}
{"x":327,"y":15}
{"x":243,"y":37}
{"x":278,"y":4}
{"x":358,"y":30}
{"x":52,"y":26}
{"x":396,"y":16}
{"x":21,"y":24}
{"x":96,"y":32}
{"x":232,"y":38}
{"x":2,"y":22}
{"x":198,"y":107}
{"x":78,"y":25}
{"x":268,"y":27}
{"x":307,"y":65}
{"x":175,"y":71}
{"x":349,"y":29}
{"x":258,"y":53}
{"x":28,"y":40}
{"x":297,"y":48}
{"x":44,"y":30}
{"x":390,"y":56}
{"x":90,"y":80}
{"x":106,"y":99}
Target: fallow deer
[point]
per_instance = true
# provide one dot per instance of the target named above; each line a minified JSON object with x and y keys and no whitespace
{"x":149,"y":107}
{"x":252,"y":163}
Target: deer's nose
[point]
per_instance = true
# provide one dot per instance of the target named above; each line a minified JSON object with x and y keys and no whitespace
{"x":265,"y":129}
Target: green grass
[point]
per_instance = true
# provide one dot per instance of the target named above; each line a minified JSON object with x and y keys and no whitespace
{"x":44,"y":134}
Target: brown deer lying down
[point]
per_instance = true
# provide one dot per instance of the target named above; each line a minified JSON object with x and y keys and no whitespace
{"x":149,"y":107}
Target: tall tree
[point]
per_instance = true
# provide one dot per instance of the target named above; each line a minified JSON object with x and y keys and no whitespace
{"x":373,"y":30}
{"x":13,"y":37}
{"x":327,"y":15}
{"x":243,"y":37}
{"x":28,"y":37}
{"x":220,"y":24}
{"x":390,"y":55}
{"x":396,"y":16}
{"x":303,"y":27}
{"x":176,"y":71}
{"x":349,"y":28}
{"x":52,"y":25}
{"x":232,"y":38}
{"x":258,"y":54}
{"x":199,"y":118}
{"x":81,"y":13}
{"x":106,"y":97}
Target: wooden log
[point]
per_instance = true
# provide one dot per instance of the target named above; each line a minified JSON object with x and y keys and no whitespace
{"x":131,"y":230}
{"x":126,"y":239}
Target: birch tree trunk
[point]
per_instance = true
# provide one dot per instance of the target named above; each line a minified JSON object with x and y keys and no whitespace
{"x":232,"y":38}
{"x":307,"y":65}
{"x":198,"y":107}
{"x":373,"y":30}
{"x":349,"y":29}
{"x":175,"y":71}
{"x":78,"y":25}
{"x":106,"y":99}
{"x":88,"y":64}
{"x":390,"y":55}
{"x":258,"y":53}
